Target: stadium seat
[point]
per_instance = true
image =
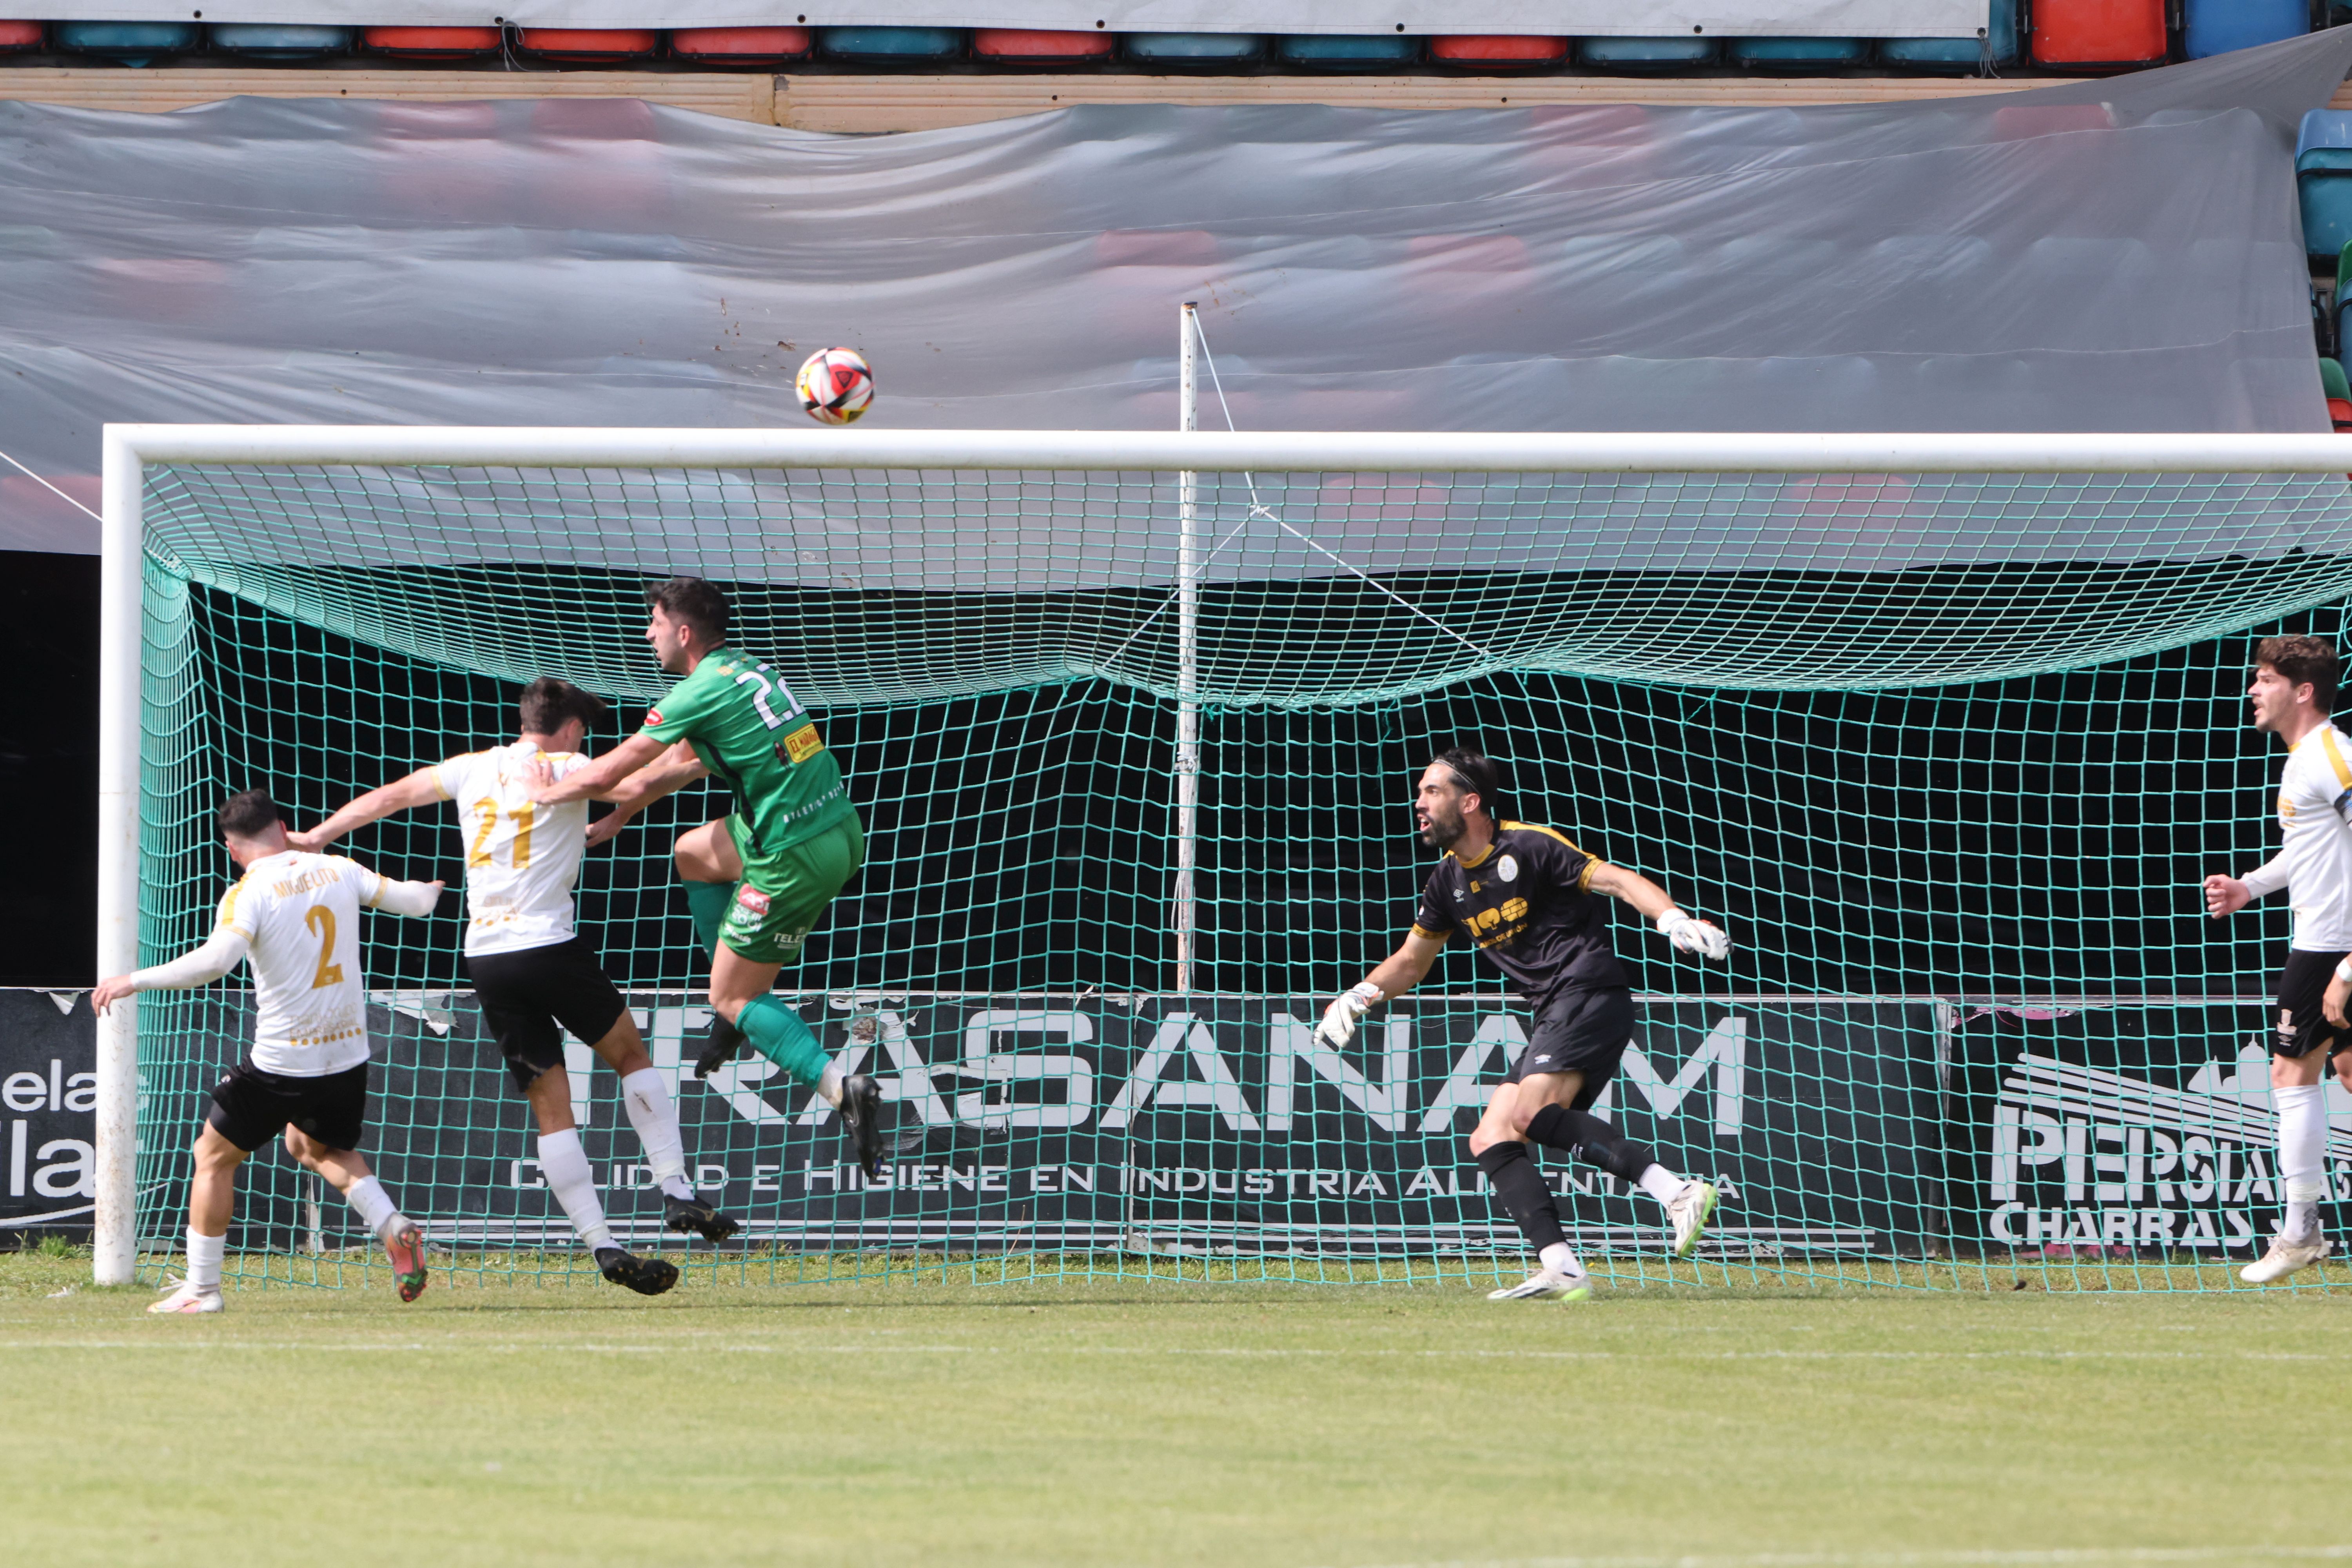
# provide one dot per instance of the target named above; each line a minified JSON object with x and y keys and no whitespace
{"x":589,"y":45}
{"x":431,"y":43}
{"x":1958,"y":56}
{"x":1033,"y":46}
{"x":891,"y":46}
{"x":1796,"y":55}
{"x":2217,"y":26}
{"x":1498,"y":51}
{"x":1348,"y":51}
{"x":1196,"y":51}
{"x":741,"y":46}
{"x":2331,"y":379}
{"x":17,"y":37}
{"x":2323,"y":183}
{"x":263,"y":41}
{"x":1669,"y":54}
{"x":125,"y":42}
{"x":2099,"y":35}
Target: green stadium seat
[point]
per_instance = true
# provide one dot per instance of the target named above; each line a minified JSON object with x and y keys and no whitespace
{"x":2331,"y":379}
{"x":262,"y":41}
{"x":741,"y":46}
{"x":126,"y":43}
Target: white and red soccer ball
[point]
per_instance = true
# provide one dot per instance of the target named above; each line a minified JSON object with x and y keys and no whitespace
{"x":835,"y":385}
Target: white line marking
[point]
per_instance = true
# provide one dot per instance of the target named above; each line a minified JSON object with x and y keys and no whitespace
{"x":2088,"y":1554}
{"x":784,"y":1347}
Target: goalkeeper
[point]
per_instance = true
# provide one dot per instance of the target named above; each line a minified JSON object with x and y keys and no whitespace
{"x":756,"y":880}
{"x":1530,"y":899}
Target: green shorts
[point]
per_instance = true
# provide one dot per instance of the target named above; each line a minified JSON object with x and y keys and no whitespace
{"x":784,"y":891}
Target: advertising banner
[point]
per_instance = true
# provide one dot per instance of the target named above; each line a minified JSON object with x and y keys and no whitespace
{"x":49,"y":1113}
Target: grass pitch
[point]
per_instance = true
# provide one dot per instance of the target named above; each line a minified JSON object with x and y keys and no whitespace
{"x":915,"y":1421}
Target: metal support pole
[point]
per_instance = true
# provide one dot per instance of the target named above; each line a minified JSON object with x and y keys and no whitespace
{"x":1188,"y":658}
{"x":119,"y":633}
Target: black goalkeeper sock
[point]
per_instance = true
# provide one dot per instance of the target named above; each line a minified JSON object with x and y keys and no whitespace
{"x":1583,"y":1136}
{"x":1521,"y":1187}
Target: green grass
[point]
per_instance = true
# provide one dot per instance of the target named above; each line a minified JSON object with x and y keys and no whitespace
{"x":911,"y":1420}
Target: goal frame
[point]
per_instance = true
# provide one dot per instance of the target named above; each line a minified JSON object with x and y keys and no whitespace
{"x":128,"y":449}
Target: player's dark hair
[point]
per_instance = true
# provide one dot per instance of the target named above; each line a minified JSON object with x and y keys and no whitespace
{"x":249,"y":815}
{"x":695,"y":601}
{"x":550,"y":700}
{"x":2301,"y":659}
{"x":1480,"y":773}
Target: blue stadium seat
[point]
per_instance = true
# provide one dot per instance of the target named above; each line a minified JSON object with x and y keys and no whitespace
{"x":2323,"y":182}
{"x":2217,"y":26}
{"x":1958,"y":56}
{"x":263,"y":41}
{"x":1789,"y":54}
{"x":1669,"y":54}
{"x":891,"y":46}
{"x":125,"y":42}
{"x":1349,"y":52}
{"x":1196,"y":51}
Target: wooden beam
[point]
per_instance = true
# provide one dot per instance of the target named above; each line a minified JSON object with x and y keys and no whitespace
{"x":731,"y":96}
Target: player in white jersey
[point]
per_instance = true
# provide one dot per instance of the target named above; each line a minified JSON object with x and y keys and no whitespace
{"x":534,"y":972}
{"x":2294,"y":691}
{"x":296,"y":918}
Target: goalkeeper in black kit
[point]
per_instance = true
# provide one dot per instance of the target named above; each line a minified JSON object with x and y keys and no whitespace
{"x":1532,"y":903}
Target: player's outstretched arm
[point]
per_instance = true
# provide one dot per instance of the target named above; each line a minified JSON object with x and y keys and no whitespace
{"x":1398,"y":973}
{"x":207,"y":963}
{"x":678,"y":768}
{"x":419,"y":788}
{"x":1688,"y":933}
{"x":597,"y":780}
{"x":415,"y":899}
{"x":2226,"y":895}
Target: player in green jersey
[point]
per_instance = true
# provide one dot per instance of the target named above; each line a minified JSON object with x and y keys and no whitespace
{"x":758,"y":880}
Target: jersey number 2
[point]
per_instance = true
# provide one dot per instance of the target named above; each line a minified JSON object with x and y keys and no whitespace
{"x":487,"y":810}
{"x":321,"y":923}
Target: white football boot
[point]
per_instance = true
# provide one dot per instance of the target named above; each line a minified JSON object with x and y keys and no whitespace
{"x":1690,"y":1209}
{"x":187,"y":1299}
{"x":2284,"y":1258}
{"x":1546,"y":1285}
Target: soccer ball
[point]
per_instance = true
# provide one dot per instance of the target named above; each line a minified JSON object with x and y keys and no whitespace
{"x":835,"y":385}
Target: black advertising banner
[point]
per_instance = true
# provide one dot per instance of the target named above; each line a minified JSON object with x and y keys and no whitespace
{"x":1201,"y":1125}
{"x":49,"y":1113}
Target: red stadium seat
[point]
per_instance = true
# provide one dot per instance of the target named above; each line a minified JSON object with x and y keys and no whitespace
{"x":1498,"y":51}
{"x":590,"y":45}
{"x":741,"y":46}
{"x":2339,"y":409}
{"x":431,"y":43}
{"x":16,"y":35}
{"x":2099,"y":35}
{"x":1029,"y":47}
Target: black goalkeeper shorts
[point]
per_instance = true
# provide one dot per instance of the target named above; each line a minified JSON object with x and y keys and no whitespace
{"x":1580,"y":1031}
{"x":526,"y":996}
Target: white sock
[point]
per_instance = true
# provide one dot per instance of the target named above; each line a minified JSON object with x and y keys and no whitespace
{"x":1560,"y":1260}
{"x":205,"y":1253}
{"x":2302,"y":1154}
{"x":1662,"y":1184}
{"x":655,"y":1116}
{"x":376,"y":1209}
{"x":565,"y":1165}
{"x":828,"y":1085}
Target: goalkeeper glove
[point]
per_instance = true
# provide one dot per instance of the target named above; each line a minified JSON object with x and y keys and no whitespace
{"x":1340,"y":1018}
{"x":1694,"y":936}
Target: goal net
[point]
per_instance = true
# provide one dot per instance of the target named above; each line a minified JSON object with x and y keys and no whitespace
{"x":1943,"y":730}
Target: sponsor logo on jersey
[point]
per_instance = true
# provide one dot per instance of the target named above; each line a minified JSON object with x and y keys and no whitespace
{"x":803,"y":743}
{"x":653,"y":718}
{"x":1506,"y":870}
{"x":753,"y":899}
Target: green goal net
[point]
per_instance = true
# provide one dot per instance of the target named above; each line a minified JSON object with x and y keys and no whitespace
{"x":1945,"y":752}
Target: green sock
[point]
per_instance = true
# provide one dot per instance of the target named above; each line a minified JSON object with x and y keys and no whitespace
{"x":707,"y":902}
{"x":777,"y":1033}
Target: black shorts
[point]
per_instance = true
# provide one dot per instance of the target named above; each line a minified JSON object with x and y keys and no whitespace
{"x":1580,"y":1031}
{"x":525,"y":995}
{"x":2302,"y":1028}
{"x":250,"y":1106}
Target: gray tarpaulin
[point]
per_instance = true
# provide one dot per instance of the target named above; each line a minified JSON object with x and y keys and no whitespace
{"x":2121,"y":255}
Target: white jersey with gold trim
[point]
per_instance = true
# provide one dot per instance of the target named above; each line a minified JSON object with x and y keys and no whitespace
{"x":2315,"y":812}
{"x":521,"y":859}
{"x":300,"y":915}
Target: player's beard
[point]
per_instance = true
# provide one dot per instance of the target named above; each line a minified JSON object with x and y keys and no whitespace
{"x":1445,"y":828}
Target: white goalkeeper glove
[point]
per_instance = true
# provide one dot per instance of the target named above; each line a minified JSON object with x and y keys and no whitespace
{"x":1340,"y":1018}
{"x":1692,"y":935}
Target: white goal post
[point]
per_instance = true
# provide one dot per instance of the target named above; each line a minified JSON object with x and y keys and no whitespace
{"x":130,"y":450}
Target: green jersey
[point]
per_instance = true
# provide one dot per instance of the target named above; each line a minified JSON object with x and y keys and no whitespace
{"x":756,"y":738}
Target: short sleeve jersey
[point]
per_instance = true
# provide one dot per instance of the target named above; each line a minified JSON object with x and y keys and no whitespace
{"x":300,"y":915}
{"x":1527,"y":903}
{"x":2315,"y":812}
{"x":757,"y":739}
{"x":521,"y":859}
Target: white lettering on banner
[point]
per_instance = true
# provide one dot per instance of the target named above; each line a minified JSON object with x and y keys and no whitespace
{"x":1290,"y":1041}
{"x":1725,"y":1050}
{"x":1463,"y":1088}
{"x":909,"y":1084}
{"x":993,"y":1106}
{"x":16,"y":1130}
{"x":74,"y":1175}
{"x":1216,"y":1089}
